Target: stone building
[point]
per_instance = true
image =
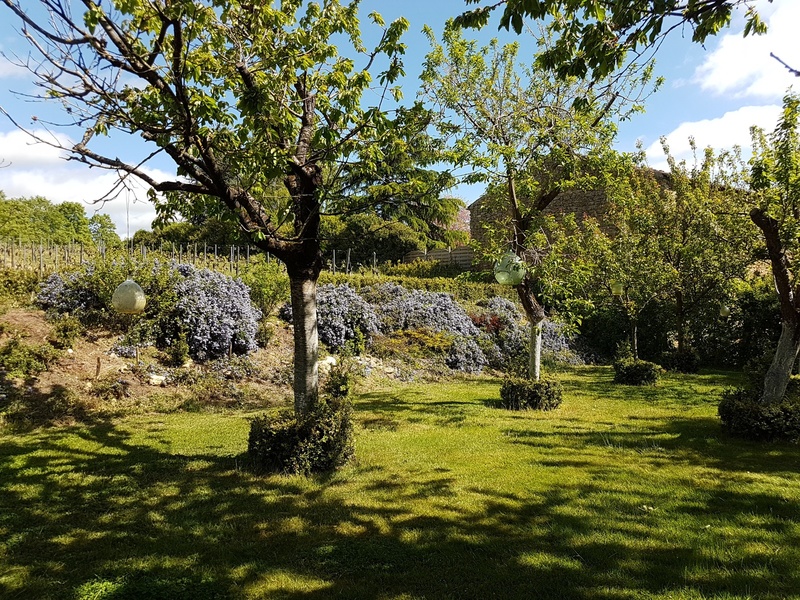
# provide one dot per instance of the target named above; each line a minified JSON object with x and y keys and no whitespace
{"x":579,"y":202}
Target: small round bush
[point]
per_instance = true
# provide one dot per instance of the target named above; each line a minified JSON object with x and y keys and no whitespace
{"x":636,"y":372}
{"x":522,"y":394}
{"x":318,"y":442}
{"x":685,"y":361}
{"x":743,"y":415}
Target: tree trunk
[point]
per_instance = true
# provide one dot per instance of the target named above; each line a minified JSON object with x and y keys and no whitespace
{"x":680,"y":318}
{"x":777,"y":378}
{"x":635,"y":338}
{"x":306,"y":342}
{"x":535,"y":352}
{"x":535,"y":314}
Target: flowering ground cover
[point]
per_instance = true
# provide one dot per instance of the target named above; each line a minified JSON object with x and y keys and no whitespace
{"x":619,"y":493}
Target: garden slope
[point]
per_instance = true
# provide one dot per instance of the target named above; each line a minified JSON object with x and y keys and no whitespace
{"x":90,"y":364}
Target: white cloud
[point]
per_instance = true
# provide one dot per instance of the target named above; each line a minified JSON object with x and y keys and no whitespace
{"x":12,"y":70}
{"x":22,"y":150}
{"x":723,"y":133}
{"x":37,"y":169}
{"x":742,"y":67}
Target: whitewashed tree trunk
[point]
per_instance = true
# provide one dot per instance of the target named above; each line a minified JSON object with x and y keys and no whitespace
{"x":535,"y":352}
{"x":777,"y":378}
{"x":306,"y":343}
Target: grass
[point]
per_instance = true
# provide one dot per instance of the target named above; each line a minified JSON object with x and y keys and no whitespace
{"x":621,"y":493}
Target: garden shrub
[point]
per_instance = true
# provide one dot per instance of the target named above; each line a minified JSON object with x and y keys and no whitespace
{"x":686,"y":361}
{"x":556,"y":345}
{"x":414,"y":343}
{"x":434,"y":313}
{"x":742,"y":415}
{"x":317,"y":442}
{"x":522,"y":394}
{"x":268,"y":283}
{"x":465,"y":355}
{"x":66,"y":329}
{"x":636,"y":372}
{"x":341,"y":379}
{"x":217,"y":315}
{"x":18,"y":285}
{"x":213,"y":311}
{"x":23,"y":360}
{"x":399,"y":308}
{"x":342,"y":316}
{"x":461,"y":289}
{"x":503,"y":323}
{"x":177,"y":353}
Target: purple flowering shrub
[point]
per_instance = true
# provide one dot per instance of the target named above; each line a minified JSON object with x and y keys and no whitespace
{"x":67,"y":294}
{"x":216,"y":313}
{"x":342,"y":316}
{"x":507,"y":328}
{"x":212,"y":311}
{"x":400,"y":309}
{"x":556,"y":345}
{"x":466,"y":355}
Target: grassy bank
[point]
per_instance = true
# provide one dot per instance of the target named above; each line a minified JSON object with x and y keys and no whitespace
{"x":620,"y":493}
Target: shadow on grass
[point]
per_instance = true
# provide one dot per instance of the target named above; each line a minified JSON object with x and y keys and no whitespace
{"x":105,"y":518}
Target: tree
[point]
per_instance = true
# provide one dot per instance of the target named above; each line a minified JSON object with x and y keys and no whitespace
{"x":520,"y":131}
{"x":241,"y":95}
{"x":77,"y":223}
{"x":366,"y":236}
{"x":37,"y":220}
{"x":775,"y":180}
{"x":680,"y":236}
{"x":593,"y":38}
{"x":104,"y":232}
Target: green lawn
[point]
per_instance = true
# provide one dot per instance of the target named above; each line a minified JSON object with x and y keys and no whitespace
{"x":620,"y":493}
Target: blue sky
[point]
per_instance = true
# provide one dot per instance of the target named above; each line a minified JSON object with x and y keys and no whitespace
{"x":713,"y":93}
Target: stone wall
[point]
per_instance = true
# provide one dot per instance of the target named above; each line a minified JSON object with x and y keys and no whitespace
{"x":582,"y":203}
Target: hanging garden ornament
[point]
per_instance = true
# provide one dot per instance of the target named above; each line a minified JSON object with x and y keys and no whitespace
{"x":509,"y":270}
{"x":724,"y":312}
{"x":617,"y":288}
{"x":128,"y":298}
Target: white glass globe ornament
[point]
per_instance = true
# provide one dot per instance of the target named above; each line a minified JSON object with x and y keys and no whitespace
{"x":724,"y":312}
{"x":128,"y":298}
{"x":509,"y":270}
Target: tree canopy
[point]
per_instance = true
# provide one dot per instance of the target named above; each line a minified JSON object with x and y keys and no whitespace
{"x":775,"y":181}
{"x":594,"y":38}
{"x":37,"y":220}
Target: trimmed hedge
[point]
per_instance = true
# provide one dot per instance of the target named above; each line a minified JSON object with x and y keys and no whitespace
{"x":636,"y":372}
{"x":744,"y":416}
{"x":317,"y":442}
{"x":522,"y":394}
{"x":460,"y":289}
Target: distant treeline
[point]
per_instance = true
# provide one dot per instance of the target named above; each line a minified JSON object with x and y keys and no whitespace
{"x":355,"y":240}
{"x":37,"y":220}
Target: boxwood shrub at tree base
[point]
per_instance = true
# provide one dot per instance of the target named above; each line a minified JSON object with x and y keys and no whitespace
{"x":744,"y":416}
{"x":686,"y":361}
{"x":636,"y":372}
{"x":317,"y":442}
{"x":522,"y":394}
